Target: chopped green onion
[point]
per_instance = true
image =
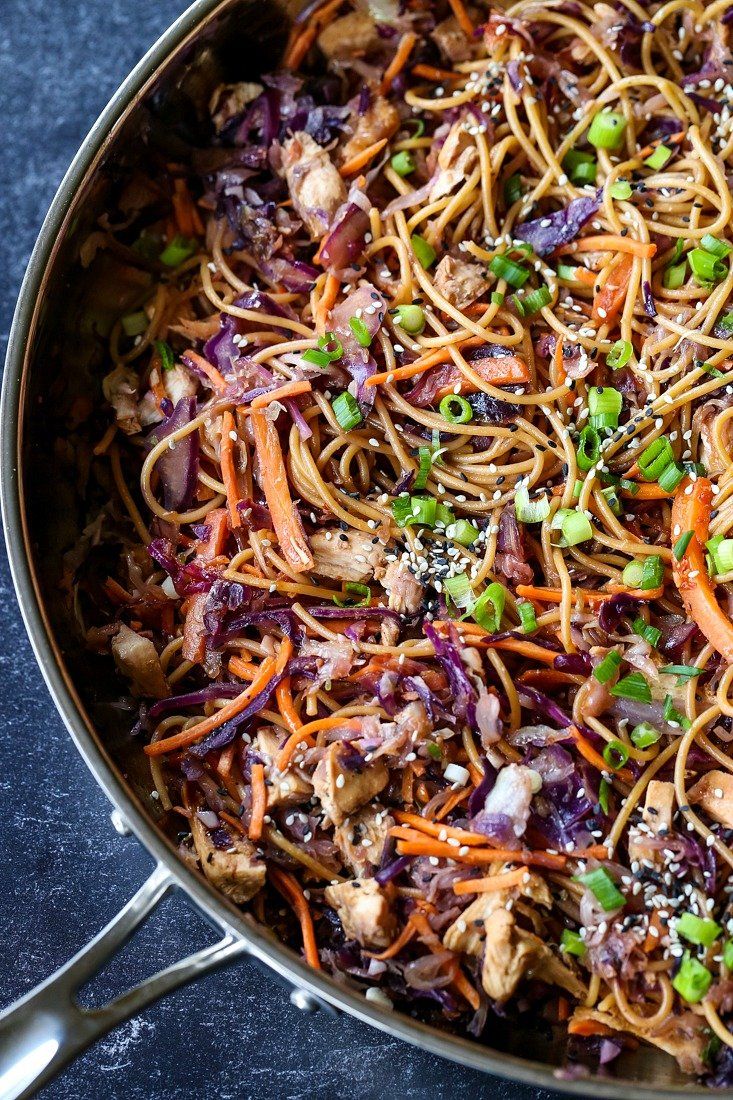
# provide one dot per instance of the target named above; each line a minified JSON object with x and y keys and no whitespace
{"x":576,"y":528}
{"x":418,"y":124}
{"x":728,"y":954}
{"x":655,"y":458}
{"x":708,"y":368}
{"x":134,"y":324}
{"x":567,"y":272}
{"x":167,"y":360}
{"x":670,"y":477}
{"x":632,"y":573}
{"x":726,"y":322}
{"x":402,"y":510}
{"x":455,"y":409}
{"x":489,"y":607}
{"x":411,"y":319}
{"x":425,"y":254}
{"x":513,"y":189}
{"x":614,"y":501}
{"x":683,"y":672}
{"x":426,"y":462}
{"x":670,"y":714}
{"x":692,"y":980}
{"x":620,"y":189}
{"x":403,"y":163}
{"x":650,"y":634}
{"x":661,"y":156}
{"x":652,"y":572}
{"x":721,"y":551}
{"x":424,"y":511}
{"x":706,"y":268}
{"x":443,"y":515}
{"x":604,"y":789}
{"x":318,"y":358}
{"x":604,"y":406}
{"x":360,"y":331}
{"x":352,"y":590}
{"x":615,"y":754}
{"x":572,"y":944}
{"x":512,"y":273}
{"x":681,"y":545}
{"x":698,"y":930}
{"x":580,"y":167}
{"x":346,"y":411}
{"x":497,"y":298}
{"x":715,"y":246}
{"x":619,"y":354}
{"x":530,"y":511}
{"x":179,"y":249}
{"x":527,"y":616}
{"x":534,"y":301}
{"x":463,"y":532}
{"x":603,"y":888}
{"x":331,"y":345}
{"x":608,"y":667}
{"x":674,"y":276}
{"x":607,"y":130}
{"x":459,"y":590}
{"x":644,"y":735}
{"x":633,"y":686}
{"x":434,"y":750}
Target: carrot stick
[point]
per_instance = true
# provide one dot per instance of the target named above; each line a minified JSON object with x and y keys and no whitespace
{"x":228,"y":468}
{"x":460,"y":982}
{"x":245,"y":670}
{"x":362,"y":158}
{"x":187,"y":216}
{"x":609,"y":242}
{"x":286,"y":520}
{"x":398,"y":62}
{"x":588,"y":1027}
{"x":407,"y":933}
{"x":462,"y":17}
{"x":429,"y":847}
{"x":288,"y":389}
{"x":299,"y":47}
{"x":327,"y":302}
{"x":285,"y":705}
{"x":208,"y":369}
{"x":489,"y":885}
{"x":647,"y":490}
{"x":505,"y":370}
{"x":213,"y":546}
{"x":289,"y":887}
{"x":585,"y":276}
{"x":610,"y":298}
{"x":305,"y":733}
{"x":416,"y":822}
{"x":691,"y":512}
{"x":593,"y":757}
{"x":429,"y":72}
{"x":450,"y":803}
{"x":259,"y":801}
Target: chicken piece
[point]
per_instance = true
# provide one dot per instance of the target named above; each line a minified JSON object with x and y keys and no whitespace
{"x":404,"y":592}
{"x":230,"y":100}
{"x":453,"y":42}
{"x":352,"y":35}
{"x":413,"y":719}
{"x":364,"y":910}
{"x":466,"y":935}
{"x":178,"y":383}
{"x":457,"y":158}
{"x":347,"y":555}
{"x":380,"y":120}
{"x":657,"y":815}
{"x":511,"y":954}
{"x":137,"y":658}
{"x":683,"y":1036}
{"x":283,"y":789}
{"x":362,"y":837}
{"x":512,"y":794}
{"x":233,"y":869}
{"x":120,"y":390}
{"x":315,"y":186}
{"x":342,"y":789}
{"x":714,"y":792}
{"x":459,"y":281}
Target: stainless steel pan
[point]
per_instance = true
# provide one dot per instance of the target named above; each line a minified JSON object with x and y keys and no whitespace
{"x":51,"y":358}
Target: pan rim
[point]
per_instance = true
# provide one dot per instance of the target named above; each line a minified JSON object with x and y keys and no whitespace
{"x":218,"y":911}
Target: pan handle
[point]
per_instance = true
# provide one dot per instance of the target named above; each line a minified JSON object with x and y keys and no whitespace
{"x":43,"y":1031}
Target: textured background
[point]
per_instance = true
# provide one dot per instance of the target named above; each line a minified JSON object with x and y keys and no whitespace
{"x":63,"y":871}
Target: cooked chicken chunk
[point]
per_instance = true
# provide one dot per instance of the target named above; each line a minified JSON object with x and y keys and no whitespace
{"x":512,"y":794}
{"x":120,"y":390}
{"x":683,"y":1036}
{"x":283,"y":789}
{"x":657,"y":816}
{"x":466,"y":935}
{"x":364,"y":911}
{"x":179,"y":383}
{"x":234,"y":869}
{"x":404,"y":592}
{"x":459,"y":281}
{"x":137,"y":658}
{"x":511,"y":954}
{"x":379,"y":121}
{"x":347,"y":555}
{"x":315,"y":186}
{"x":453,"y":42}
{"x":230,"y":100}
{"x":362,"y":837}
{"x":714,"y":793}
{"x":351,"y":35}
{"x":340,"y":788}
{"x":457,"y":158}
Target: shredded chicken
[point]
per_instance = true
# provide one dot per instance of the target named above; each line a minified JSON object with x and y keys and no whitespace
{"x":714,"y":794}
{"x":347,"y":555}
{"x":404,"y":591}
{"x":456,"y":160}
{"x":453,"y":42}
{"x":380,"y":120}
{"x":511,"y":954}
{"x":352,"y":35}
{"x":460,"y":281}
{"x":315,"y":186}
{"x":683,"y":1035}
{"x":120,"y":390}
{"x":364,"y":911}
{"x":230,"y":100}
{"x":657,"y":816}
{"x":137,"y":658}
{"x":342,"y":790}
{"x":466,"y":935}
{"x":362,"y":837}
{"x":289,"y":789}
{"x":512,"y":794}
{"x":232,"y":869}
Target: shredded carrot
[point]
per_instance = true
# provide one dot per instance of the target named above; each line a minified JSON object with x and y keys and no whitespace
{"x":609,"y":242}
{"x":229,"y":469}
{"x":285,"y":705}
{"x":590,"y":595}
{"x":218,"y":528}
{"x":286,"y":520}
{"x":259,"y":801}
{"x":226,"y":760}
{"x":668,"y":139}
{"x":610,"y":298}
{"x":585,"y":275}
{"x":233,"y":821}
{"x":652,"y":938}
{"x":187,"y":216}
{"x":289,"y":389}
{"x":462,"y":17}
{"x":305,"y":734}
{"x":459,"y":982}
{"x":506,"y":370}
{"x":647,"y":490}
{"x":429,"y":72}
{"x":299,"y":47}
{"x":291,"y":890}
{"x":245,"y":670}
{"x":207,"y":368}
{"x":450,"y":803}
{"x":593,"y":757}
{"x":408,"y":933}
{"x":415,"y":821}
{"x":327,"y":302}
{"x":563,"y":1009}
{"x":362,"y":158}
{"x":691,"y":512}
{"x":588,"y":1027}
{"x":398,"y":62}
{"x":488,"y":885}
{"x":429,"y":847}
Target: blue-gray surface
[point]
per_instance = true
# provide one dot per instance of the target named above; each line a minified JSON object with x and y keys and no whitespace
{"x":63,"y":871}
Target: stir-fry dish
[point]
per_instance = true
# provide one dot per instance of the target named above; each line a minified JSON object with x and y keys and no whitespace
{"x":417,"y":537}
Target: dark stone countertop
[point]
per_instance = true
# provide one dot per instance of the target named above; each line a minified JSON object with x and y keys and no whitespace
{"x":64,"y":872}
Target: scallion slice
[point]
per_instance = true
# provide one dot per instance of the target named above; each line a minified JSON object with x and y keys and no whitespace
{"x":425,"y":456}
{"x":603,"y":888}
{"x":489,"y":607}
{"x":459,"y":590}
{"x":134,"y":324}
{"x":462,"y":532}
{"x":607,"y":130}
{"x":424,"y":252}
{"x":571,"y":943}
{"x":659,"y":158}
{"x":346,"y":411}
{"x":403,"y":163}
{"x":619,"y":355}
{"x":680,"y":547}
{"x":527,"y":616}
{"x":513,"y":189}
{"x":608,"y":667}
{"x":533,"y":302}
{"x":178,"y":250}
{"x":715,"y":246}
{"x":360,"y":331}
{"x":331,"y":345}
{"x":615,"y":754}
{"x":165,"y":351}
{"x":620,"y":189}
{"x":317,"y":357}
{"x":455,"y":409}
{"x":530,"y":511}
{"x":644,"y":735}
{"x":670,"y":477}
{"x":701,"y":931}
{"x":604,"y":406}
{"x":652,"y":572}
{"x":576,"y":528}
{"x":655,"y":458}
{"x":692,"y":980}
{"x":674,"y":276}
{"x":411,"y":319}
{"x":649,"y":633}
{"x":512,"y":273}
{"x":580,"y":167}
{"x":682,"y":672}
{"x":707,"y":269}
{"x":633,"y":686}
